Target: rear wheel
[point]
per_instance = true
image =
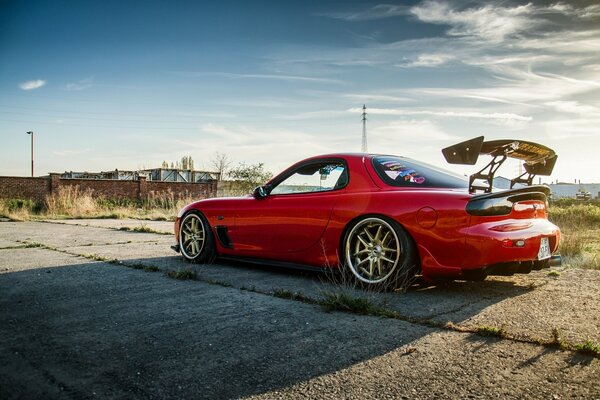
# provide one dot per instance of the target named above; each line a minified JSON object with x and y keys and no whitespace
{"x":196,"y":241}
{"x":380,"y":254}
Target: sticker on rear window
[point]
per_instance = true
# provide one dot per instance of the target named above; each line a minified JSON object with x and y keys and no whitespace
{"x":399,"y":172}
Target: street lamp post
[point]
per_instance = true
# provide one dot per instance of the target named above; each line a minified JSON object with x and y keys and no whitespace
{"x":31,"y":133}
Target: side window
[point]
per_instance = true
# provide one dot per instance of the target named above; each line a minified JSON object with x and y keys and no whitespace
{"x":317,"y":177}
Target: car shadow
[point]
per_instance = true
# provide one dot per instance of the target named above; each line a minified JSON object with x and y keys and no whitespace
{"x":105,"y":330}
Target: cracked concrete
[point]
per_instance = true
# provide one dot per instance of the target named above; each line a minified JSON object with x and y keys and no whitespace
{"x":73,"y":327}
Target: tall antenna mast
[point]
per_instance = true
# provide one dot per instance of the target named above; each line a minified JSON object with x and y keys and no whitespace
{"x":364,"y":133}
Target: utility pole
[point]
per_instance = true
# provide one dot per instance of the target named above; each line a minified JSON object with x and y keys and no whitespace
{"x":364,"y":133}
{"x":31,"y":133}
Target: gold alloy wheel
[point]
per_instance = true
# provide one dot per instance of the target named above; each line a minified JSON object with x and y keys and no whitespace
{"x":192,"y":236}
{"x":373,"y":250}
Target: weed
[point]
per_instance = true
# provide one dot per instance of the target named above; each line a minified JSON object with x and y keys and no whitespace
{"x":556,"y":340}
{"x":342,"y":301}
{"x":554,"y":273}
{"x":588,"y":348}
{"x":151,"y":269}
{"x":485,"y":330}
{"x":218,"y":282}
{"x":185,"y":274}
{"x":572,"y":244}
{"x":31,"y":245}
{"x":575,"y":216}
{"x":583,"y":261}
{"x":286,"y":294}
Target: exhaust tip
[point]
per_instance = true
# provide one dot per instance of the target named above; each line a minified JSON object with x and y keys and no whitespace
{"x":555,"y":261}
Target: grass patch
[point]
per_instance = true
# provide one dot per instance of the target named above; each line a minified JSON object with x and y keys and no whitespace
{"x":573,"y":243}
{"x":185,"y":274}
{"x":73,"y":202}
{"x":569,"y":215}
{"x":286,"y":294}
{"x":343,"y":301}
{"x":491,"y":331}
{"x":588,"y":348}
{"x":218,"y":282}
{"x":142,"y":229}
{"x":554,"y":274}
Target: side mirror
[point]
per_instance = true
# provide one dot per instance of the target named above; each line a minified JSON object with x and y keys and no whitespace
{"x":260,"y":192}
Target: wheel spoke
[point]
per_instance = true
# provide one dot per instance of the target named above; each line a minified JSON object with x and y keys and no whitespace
{"x":362,"y":241}
{"x":366,"y":231}
{"x":361,"y":262}
{"x":379,"y":267}
{"x":363,"y":251}
{"x":378,"y":232}
{"x":371,"y":267}
{"x":387,"y":259}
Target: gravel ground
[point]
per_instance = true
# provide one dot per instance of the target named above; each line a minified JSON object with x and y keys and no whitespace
{"x":75,"y":326}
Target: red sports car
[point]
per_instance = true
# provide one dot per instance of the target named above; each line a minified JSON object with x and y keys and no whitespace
{"x":386,"y":218}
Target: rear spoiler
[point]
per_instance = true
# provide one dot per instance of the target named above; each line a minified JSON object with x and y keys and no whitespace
{"x":538,"y":160}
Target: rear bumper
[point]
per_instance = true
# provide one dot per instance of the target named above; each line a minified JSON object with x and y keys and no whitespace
{"x":511,"y":268}
{"x":494,"y":243}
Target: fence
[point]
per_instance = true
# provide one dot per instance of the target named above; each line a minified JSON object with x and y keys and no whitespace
{"x":37,"y":189}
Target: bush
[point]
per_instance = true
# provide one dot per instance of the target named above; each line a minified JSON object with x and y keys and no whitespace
{"x":575,"y":216}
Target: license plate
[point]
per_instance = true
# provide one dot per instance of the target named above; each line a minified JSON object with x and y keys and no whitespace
{"x":544,"y":251}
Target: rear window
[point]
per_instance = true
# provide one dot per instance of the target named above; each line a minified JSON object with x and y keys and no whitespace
{"x":404,"y":172}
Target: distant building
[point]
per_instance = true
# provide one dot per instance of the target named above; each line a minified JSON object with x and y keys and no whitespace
{"x":155,"y":174}
{"x":116,"y":174}
{"x":571,"y":190}
{"x":179,"y":175}
{"x":560,"y":190}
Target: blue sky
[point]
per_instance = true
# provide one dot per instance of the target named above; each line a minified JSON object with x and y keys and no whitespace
{"x":128,"y":84}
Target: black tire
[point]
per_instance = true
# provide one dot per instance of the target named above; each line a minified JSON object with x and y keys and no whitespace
{"x":196,"y":239}
{"x":380,"y":254}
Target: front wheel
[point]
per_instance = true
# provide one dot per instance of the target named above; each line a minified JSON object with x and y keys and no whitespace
{"x":380,"y":254}
{"x":196,"y":240}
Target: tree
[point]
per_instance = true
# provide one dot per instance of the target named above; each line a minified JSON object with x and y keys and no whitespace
{"x":220,"y":163}
{"x":250,"y":176}
{"x":187,"y":162}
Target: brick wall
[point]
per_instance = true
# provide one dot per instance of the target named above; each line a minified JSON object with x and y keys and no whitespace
{"x":35,"y":189}
{"x":38,"y":188}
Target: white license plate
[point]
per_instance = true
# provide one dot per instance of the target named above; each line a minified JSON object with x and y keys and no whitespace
{"x":544,"y":251}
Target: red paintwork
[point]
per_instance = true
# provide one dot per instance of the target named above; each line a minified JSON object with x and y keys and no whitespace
{"x":308,"y":228}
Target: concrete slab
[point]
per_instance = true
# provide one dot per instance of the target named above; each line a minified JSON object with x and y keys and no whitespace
{"x":456,"y":367}
{"x":98,"y":330}
{"x":20,"y":259}
{"x":159,"y":226}
{"x":62,"y":235}
{"x":76,"y":328}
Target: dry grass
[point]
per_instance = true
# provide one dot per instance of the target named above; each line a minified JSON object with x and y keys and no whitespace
{"x":72,"y":202}
{"x":580,"y":227}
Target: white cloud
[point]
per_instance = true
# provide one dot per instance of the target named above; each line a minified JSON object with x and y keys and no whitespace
{"x":378,"y":11}
{"x":80,"y":85}
{"x":447,"y":114}
{"x":410,"y":130}
{"x":428,"y":60}
{"x":263,"y":76}
{"x":489,"y":22}
{"x":31,"y":85}
{"x":574,"y":107}
{"x":496,"y":22}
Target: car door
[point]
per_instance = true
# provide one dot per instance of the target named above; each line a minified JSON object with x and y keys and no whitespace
{"x":294,"y":214}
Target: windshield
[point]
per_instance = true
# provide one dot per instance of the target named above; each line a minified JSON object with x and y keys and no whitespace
{"x":404,"y":172}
